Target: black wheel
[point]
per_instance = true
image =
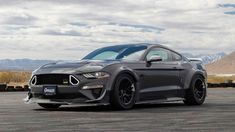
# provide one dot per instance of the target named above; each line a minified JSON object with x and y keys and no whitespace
{"x":50,"y":106}
{"x":124,"y":92}
{"x":196,"y":94}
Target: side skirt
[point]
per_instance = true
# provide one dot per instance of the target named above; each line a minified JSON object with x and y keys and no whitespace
{"x":173,"y":99}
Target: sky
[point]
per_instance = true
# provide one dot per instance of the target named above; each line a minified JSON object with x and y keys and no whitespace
{"x":69,"y":29}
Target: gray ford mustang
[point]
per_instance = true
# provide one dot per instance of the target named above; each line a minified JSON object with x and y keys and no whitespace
{"x":121,"y":75}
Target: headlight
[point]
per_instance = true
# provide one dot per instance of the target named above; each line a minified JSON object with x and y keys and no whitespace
{"x":96,"y":75}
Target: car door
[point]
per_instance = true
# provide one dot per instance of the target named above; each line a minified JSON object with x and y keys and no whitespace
{"x":160,"y":79}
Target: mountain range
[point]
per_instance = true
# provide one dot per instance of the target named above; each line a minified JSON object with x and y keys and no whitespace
{"x":225,"y":65}
{"x":22,"y":64}
{"x":206,"y":58}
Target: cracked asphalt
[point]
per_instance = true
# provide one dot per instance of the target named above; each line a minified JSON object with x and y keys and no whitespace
{"x":217,"y":114}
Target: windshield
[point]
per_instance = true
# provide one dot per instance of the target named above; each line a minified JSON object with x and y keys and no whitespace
{"x":126,"y":52}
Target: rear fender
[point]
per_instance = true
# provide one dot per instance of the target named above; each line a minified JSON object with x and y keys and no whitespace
{"x":190,"y":78}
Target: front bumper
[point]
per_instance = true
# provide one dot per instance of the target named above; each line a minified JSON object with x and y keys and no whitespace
{"x":81,"y":101}
{"x":89,"y":91}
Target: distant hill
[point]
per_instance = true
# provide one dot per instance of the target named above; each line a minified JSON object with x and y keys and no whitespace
{"x":22,"y":64}
{"x":225,"y":65}
{"x":206,"y":58}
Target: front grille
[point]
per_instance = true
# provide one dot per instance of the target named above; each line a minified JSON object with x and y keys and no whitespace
{"x":54,"y":79}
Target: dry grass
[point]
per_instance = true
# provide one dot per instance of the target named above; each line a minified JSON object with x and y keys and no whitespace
{"x":14,"y":78}
{"x":219,"y":79}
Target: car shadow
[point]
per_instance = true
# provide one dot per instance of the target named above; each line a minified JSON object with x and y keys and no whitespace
{"x":108,"y":108}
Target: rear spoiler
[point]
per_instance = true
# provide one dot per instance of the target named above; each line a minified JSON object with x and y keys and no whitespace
{"x":195,"y":60}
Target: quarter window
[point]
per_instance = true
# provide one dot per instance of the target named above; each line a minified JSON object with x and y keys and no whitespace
{"x":176,"y":57}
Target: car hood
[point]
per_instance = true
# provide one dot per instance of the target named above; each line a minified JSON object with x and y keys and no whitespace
{"x":74,"y":67}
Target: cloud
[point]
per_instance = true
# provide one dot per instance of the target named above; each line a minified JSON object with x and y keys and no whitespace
{"x":227,"y":5}
{"x":68,"y":29}
{"x":61,"y":32}
{"x":230,"y":12}
{"x":20,"y":20}
{"x":142,"y":27}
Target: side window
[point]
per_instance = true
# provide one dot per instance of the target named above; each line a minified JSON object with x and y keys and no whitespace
{"x":176,"y":57}
{"x":163,"y":53}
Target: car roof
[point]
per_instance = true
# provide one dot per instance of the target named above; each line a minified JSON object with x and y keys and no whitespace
{"x":149,"y":45}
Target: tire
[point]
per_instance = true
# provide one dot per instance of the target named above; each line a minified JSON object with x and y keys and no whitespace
{"x":124,"y":92}
{"x":196,"y":94}
{"x":50,"y":106}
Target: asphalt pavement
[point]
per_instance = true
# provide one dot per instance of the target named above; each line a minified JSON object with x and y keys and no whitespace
{"x":217,"y":114}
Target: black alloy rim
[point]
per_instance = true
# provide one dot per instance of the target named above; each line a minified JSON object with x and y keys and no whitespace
{"x":199,"y":89}
{"x":126,"y":91}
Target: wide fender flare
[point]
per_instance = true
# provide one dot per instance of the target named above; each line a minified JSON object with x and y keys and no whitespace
{"x":118,"y":70}
{"x":124,"y":70}
{"x":189,"y":81}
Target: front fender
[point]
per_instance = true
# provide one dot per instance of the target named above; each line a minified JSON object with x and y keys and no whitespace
{"x":117,"y":69}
